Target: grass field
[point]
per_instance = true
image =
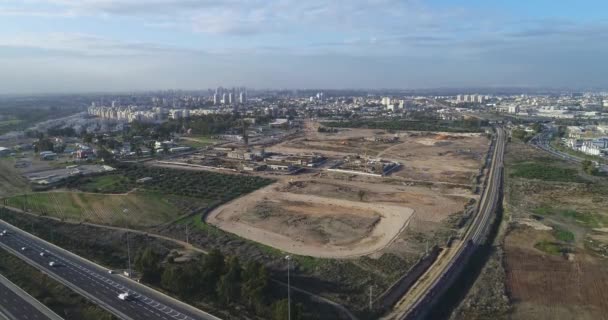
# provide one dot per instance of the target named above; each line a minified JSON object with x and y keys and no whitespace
{"x":198,"y":141}
{"x":143,"y":209}
{"x":585,"y":219}
{"x":543,"y":171}
{"x":11,"y":181}
{"x":7,"y":123}
{"x":106,"y":184}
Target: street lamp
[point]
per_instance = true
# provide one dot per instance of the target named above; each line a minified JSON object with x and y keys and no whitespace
{"x":125,"y":210}
{"x":288,"y":258}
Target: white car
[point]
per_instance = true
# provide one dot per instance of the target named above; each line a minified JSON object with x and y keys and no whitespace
{"x":124,"y":296}
{"x":111,"y":271}
{"x":23,"y":248}
{"x":42,"y":254}
{"x":53,"y":264}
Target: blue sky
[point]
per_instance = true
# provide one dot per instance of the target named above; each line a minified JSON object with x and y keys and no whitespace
{"x":106,"y":45}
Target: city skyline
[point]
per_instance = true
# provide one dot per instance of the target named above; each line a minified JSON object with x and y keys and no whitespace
{"x":52,"y":46}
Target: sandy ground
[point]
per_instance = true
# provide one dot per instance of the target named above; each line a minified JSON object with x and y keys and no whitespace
{"x":330,"y":215}
{"x":441,"y":157}
{"x":543,"y":286}
{"x":393,"y":220}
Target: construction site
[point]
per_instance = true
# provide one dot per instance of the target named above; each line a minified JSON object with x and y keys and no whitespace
{"x":374,"y":192}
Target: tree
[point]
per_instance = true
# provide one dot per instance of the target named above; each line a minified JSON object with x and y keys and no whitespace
{"x":589,"y":167}
{"x":212,"y":269}
{"x":520,"y":134}
{"x":229,"y":287}
{"x":361,"y":194}
{"x":104,"y":154}
{"x":87,"y":138}
{"x":255,"y":286}
{"x":43,"y":144}
{"x":147,"y":262}
{"x":280,"y":311}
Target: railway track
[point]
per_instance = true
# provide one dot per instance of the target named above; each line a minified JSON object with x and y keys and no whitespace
{"x":446,"y":268}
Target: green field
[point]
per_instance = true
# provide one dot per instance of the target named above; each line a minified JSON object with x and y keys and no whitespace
{"x":563,"y":234}
{"x":543,"y":171}
{"x":549,"y":247}
{"x":8,"y":123}
{"x":11,"y":181}
{"x":207,"y":186}
{"x":198,"y":141}
{"x":143,"y":209}
{"x":114,"y":183}
{"x":585,"y":219}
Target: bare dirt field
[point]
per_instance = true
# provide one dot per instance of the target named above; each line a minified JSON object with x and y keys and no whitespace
{"x":312,"y":225}
{"x":445,"y":157}
{"x":334,"y":215}
{"x":544,"y":286}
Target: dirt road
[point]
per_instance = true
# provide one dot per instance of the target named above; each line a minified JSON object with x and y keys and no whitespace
{"x":393,"y":219}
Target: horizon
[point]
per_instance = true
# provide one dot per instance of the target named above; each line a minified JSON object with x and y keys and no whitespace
{"x":58,"y":47}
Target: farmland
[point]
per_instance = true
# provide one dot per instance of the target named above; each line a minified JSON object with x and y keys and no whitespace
{"x":210,"y":187}
{"x":169,"y":195}
{"x":554,"y":243}
{"x":142,"y":209}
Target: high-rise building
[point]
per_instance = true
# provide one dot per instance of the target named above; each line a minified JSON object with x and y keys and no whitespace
{"x":224,"y":98}
{"x":242,"y":97}
{"x":216,"y":98}
{"x":230,"y":98}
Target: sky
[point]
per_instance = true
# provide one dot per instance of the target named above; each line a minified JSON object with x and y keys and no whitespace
{"x":51,"y":46}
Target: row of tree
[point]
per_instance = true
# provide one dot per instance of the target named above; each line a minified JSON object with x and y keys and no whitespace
{"x":216,"y":279}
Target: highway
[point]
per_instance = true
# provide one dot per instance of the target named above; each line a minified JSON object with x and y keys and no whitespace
{"x":543,"y":142}
{"x":416,"y":302}
{"x":16,"y":304}
{"x":95,"y":282}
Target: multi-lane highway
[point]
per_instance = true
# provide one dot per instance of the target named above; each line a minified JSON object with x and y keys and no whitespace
{"x":95,"y":282}
{"x":448,"y":265}
{"x":543,"y":142}
{"x":16,"y":304}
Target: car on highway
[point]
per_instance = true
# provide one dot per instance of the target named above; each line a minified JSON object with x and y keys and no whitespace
{"x":111,"y":271}
{"x":53,"y":264}
{"x":124,"y":296}
{"x":42,"y":254}
{"x":23,"y":248}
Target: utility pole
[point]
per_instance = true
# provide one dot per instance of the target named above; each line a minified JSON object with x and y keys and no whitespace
{"x":128,"y":248}
{"x":288,"y":258}
{"x":371,"y":288}
{"x":128,"y":255}
{"x":187,"y":238}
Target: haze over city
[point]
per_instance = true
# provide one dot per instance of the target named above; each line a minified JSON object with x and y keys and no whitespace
{"x":51,"y":46}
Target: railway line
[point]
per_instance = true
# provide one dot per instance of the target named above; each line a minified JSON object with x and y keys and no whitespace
{"x":415,"y":303}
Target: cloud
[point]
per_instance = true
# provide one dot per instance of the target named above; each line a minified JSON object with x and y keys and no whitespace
{"x":246,"y":17}
{"x":88,"y":45}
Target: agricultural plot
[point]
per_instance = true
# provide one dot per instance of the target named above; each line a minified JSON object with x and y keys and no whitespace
{"x":555,"y":251}
{"x":206,"y":186}
{"x":133,"y":210}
